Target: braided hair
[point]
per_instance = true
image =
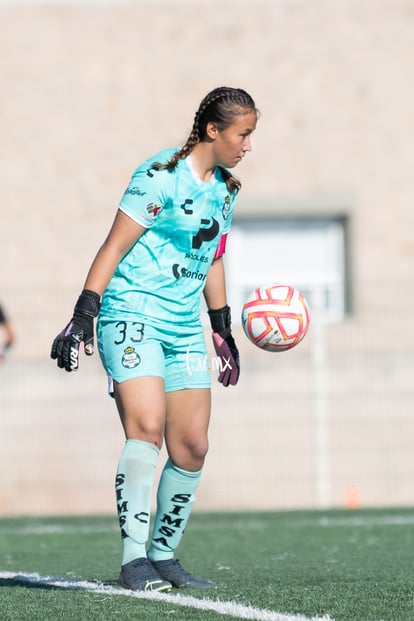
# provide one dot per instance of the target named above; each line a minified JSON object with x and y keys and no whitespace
{"x":220,"y":106}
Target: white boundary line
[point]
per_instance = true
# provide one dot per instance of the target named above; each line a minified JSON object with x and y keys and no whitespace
{"x":229,"y":608}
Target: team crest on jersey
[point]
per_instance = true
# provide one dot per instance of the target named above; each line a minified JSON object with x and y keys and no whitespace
{"x":130,"y":358}
{"x":226,"y":207}
{"x":152,"y":210}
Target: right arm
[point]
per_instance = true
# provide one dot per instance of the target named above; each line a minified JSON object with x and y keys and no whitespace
{"x":65,"y":348}
{"x":123,"y":234}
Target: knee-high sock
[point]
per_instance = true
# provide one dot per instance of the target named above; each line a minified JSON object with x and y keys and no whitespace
{"x":175,"y":499}
{"x":134,"y":483}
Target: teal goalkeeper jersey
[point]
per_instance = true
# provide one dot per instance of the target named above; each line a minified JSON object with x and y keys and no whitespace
{"x":162,"y":276}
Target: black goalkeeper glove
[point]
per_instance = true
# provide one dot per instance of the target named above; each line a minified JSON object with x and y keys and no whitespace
{"x":225,"y":346}
{"x":65,"y":347}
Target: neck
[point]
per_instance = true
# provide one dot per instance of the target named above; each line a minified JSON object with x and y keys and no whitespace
{"x":202,"y":161}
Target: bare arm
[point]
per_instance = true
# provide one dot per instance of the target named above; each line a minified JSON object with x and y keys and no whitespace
{"x":65,"y":347}
{"x":123,"y":234}
{"x":215,"y":288}
{"x":220,"y":319}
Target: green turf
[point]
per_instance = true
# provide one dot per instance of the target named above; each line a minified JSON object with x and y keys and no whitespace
{"x":350,"y":565}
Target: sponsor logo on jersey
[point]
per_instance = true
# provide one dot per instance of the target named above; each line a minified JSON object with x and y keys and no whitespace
{"x":135,"y":191}
{"x":130,"y":358}
{"x":226,"y":207}
{"x":183,"y":272}
{"x":205,"y":233}
{"x":193,"y":256}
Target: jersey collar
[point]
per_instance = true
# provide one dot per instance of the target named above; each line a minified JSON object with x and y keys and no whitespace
{"x":196,"y":176}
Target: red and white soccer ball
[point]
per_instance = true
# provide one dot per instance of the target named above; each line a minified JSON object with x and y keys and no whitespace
{"x":275,"y":317}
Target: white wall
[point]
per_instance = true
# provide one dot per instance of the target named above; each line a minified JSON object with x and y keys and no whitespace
{"x":88,"y":91}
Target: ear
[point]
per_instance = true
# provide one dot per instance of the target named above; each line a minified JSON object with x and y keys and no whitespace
{"x":212,"y":130}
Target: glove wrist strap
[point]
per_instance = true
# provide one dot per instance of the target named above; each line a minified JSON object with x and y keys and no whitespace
{"x":220,"y":320}
{"x":88,"y":304}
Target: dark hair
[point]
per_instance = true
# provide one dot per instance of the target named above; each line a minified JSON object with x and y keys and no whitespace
{"x":220,"y":106}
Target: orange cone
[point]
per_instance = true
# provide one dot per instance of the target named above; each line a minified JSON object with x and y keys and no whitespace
{"x":353,"y":497}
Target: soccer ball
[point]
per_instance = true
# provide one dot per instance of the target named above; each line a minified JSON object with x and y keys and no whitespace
{"x":275,"y":317}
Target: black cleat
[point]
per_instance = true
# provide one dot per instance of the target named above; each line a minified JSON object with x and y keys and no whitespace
{"x":140,"y":575}
{"x":172,"y":571}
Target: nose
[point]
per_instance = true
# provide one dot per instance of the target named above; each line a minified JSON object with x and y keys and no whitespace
{"x":247,"y":145}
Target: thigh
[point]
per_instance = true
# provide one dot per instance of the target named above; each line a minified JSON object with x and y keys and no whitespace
{"x":186,"y":360}
{"x":130,"y":349}
{"x":142,"y":408}
{"x":186,"y":427}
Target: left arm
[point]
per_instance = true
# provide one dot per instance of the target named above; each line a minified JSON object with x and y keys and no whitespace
{"x":220,"y":319}
{"x":215,"y":287}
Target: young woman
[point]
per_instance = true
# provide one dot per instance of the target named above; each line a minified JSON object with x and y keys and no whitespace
{"x":163,"y":251}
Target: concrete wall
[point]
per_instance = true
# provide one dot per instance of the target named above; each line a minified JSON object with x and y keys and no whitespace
{"x":88,"y":91}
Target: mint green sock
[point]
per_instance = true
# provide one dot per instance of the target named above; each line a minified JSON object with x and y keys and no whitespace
{"x":133,"y":486}
{"x":175,"y":499}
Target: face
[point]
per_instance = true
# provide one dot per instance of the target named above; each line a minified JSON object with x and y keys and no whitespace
{"x":231,"y":145}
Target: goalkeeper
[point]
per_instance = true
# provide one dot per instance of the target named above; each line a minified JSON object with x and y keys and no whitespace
{"x":163,"y":252}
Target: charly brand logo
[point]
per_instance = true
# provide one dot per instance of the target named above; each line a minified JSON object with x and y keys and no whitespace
{"x":130,"y":358}
{"x":185,"y":206}
{"x":195,"y":363}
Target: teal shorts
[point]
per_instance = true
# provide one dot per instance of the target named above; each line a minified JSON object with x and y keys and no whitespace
{"x":131,"y":349}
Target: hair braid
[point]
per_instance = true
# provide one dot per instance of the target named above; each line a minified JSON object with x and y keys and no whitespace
{"x":219,"y":106}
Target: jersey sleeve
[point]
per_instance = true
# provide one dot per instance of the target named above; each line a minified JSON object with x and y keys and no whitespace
{"x":227,"y":212}
{"x":228,"y":209}
{"x":221,"y":248}
{"x":147,"y":192}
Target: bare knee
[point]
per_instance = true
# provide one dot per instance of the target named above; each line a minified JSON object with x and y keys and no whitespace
{"x":189,"y":453}
{"x":197,"y":447}
{"x":146,"y":430}
{"x":186,"y":432}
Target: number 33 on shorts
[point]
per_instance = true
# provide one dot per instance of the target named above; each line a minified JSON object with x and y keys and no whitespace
{"x":132,"y":331}
{"x":118,"y":343}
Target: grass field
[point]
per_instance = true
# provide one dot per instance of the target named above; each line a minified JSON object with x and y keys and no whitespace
{"x":341,"y":565}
